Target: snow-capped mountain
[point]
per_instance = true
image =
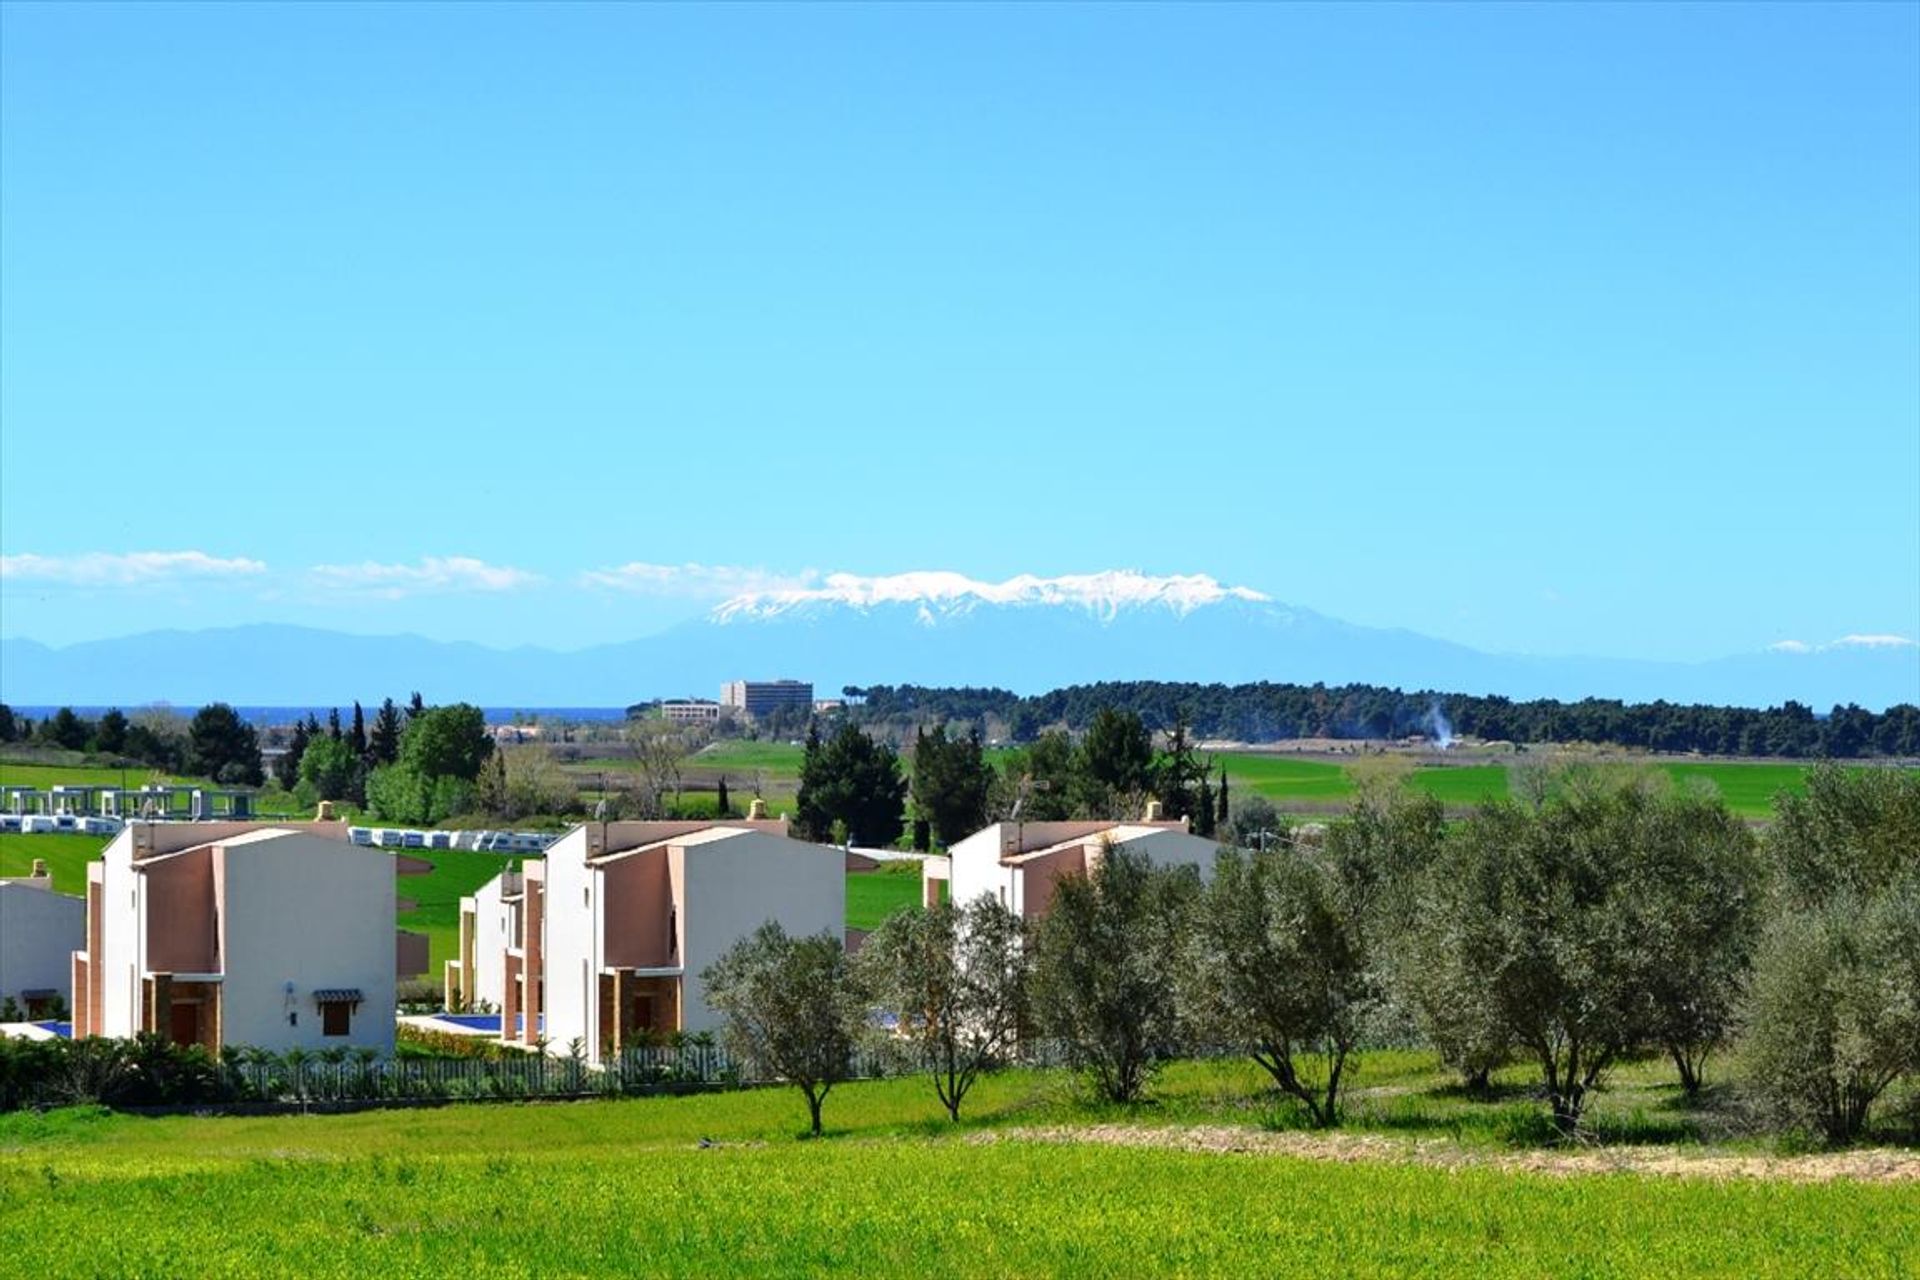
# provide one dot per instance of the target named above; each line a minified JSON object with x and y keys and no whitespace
{"x":1027,"y":633}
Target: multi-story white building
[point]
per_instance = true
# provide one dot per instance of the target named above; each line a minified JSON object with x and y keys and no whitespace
{"x":39,"y":930}
{"x":759,"y":698}
{"x":219,"y":934}
{"x":1020,"y":862}
{"x":606,"y":938}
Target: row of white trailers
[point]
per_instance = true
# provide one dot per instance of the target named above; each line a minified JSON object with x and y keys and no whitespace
{"x":50,"y":824}
{"x":477,"y":841}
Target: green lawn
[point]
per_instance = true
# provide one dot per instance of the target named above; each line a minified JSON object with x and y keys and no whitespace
{"x":456,"y":873}
{"x":872,"y":896}
{"x":67,"y":857}
{"x":15,"y":774}
{"x":1317,"y":786}
{"x":626,"y":1188}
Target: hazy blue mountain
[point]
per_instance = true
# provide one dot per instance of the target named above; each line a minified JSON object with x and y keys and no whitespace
{"x":1027,"y":640}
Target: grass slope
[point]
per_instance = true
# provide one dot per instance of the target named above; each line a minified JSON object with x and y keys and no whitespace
{"x":67,"y":857}
{"x":872,"y":896}
{"x":623,"y":1188}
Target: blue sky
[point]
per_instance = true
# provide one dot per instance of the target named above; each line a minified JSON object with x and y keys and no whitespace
{"x":1550,"y":329}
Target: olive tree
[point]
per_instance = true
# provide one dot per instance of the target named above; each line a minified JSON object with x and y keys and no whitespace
{"x":1696,"y":880}
{"x":1539,"y":907}
{"x":1836,"y":1010}
{"x":1108,"y":955}
{"x":792,"y":1006}
{"x":1283,"y":970}
{"x":1835,"y":1013}
{"x":956,"y":980}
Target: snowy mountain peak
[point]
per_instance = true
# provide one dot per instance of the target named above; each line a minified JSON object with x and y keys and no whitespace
{"x":938,"y":593}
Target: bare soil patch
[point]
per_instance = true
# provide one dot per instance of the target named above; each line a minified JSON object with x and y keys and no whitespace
{"x":1879,"y":1164}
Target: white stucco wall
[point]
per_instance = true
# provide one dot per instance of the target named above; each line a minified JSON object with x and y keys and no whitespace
{"x":490,"y":923}
{"x":120,"y":943}
{"x":571,"y":1007}
{"x":1174,"y":849}
{"x":735,"y":885}
{"x":977,"y":871}
{"x":316,"y":913}
{"x":39,"y":932}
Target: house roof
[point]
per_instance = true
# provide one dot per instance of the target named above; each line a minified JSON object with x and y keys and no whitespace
{"x":1119,"y":833}
{"x":688,"y":839}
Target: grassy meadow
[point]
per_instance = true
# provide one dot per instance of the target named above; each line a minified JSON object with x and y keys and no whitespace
{"x":1034,"y":1182}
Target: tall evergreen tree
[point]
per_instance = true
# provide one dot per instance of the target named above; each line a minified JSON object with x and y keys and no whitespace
{"x":722,"y":807}
{"x":333,"y":724}
{"x":286,"y":770}
{"x":416,"y":706}
{"x":383,"y":743}
{"x":1221,"y":813}
{"x":357,"y":736}
{"x":951,"y":782}
{"x":851,"y":779}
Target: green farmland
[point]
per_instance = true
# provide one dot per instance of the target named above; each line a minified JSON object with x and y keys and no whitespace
{"x":719,"y":1185}
{"x":1319,"y":786}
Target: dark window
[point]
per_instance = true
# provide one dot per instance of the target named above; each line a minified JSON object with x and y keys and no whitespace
{"x":335,"y":1016}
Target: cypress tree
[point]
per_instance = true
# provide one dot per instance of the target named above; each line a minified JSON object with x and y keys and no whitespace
{"x":357,"y":739}
{"x":721,"y":807}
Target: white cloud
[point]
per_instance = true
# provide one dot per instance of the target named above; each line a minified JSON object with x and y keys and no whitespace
{"x":1104,"y":593}
{"x":696,"y":581}
{"x":1845,"y":642}
{"x":1875,"y":642}
{"x":431,"y":575}
{"x":107,"y":569}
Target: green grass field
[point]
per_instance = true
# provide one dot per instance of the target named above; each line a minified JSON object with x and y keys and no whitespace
{"x":15,"y":774}
{"x":627,"y":1188}
{"x":1320,"y":787}
{"x":66,"y":856}
{"x":436,"y":895}
{"x":872,"y":896}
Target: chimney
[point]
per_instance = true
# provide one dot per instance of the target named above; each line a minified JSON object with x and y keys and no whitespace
{"x":1153,"y":811}
{"x":757,"y":810}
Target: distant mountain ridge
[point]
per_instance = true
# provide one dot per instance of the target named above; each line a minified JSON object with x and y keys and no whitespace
{"x":1026,"y":634}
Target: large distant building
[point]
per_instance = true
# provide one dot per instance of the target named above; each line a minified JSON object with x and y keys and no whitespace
{"x":757,"y":699}
{"x":689,"y":711}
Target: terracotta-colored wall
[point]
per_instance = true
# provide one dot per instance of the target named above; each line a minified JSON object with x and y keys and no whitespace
{"x":180,"y":914}
{"x":637,"y":911}
{"x":1042,"y":874}
{"x":410,"y":954}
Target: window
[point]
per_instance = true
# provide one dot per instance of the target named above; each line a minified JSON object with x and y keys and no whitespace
{"x":336,"y":1017}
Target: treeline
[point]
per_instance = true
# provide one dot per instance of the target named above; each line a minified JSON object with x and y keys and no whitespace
{"x":216,"y":743}
{"x":1268,"y":712}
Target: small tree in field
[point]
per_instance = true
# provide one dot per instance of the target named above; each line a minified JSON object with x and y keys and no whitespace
{"x":1109,"y":952}
{"x":1283,"y":970}
{"x":1540,"y":908}
{"x":1835,"y":1015}
{"x":956,"y":978}
{"x":791,"y":1005}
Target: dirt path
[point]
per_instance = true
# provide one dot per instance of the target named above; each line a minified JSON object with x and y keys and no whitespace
{"x":1875,"y":1165}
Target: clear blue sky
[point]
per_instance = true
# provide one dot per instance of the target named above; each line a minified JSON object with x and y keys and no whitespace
{"x":1546,"y":329}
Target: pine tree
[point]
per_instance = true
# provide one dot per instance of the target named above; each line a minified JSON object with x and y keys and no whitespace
{"x":333,"y":724}
{"x":416,"y":706}
{"x":357,"y":738}
{"x":286,"y":770}
{"x":383,"y":743}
